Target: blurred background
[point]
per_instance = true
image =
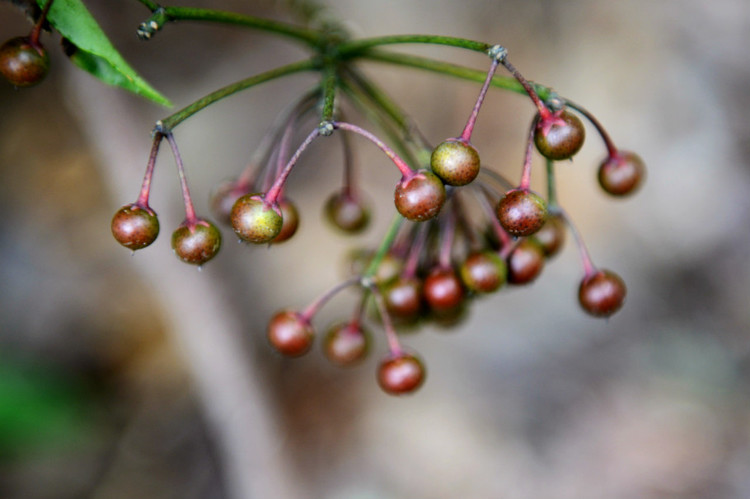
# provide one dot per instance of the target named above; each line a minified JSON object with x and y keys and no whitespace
{"x":140,"y":377}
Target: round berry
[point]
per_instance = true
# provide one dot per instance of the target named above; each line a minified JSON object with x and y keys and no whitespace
{"x":346,"y":344}
{"x":443,"y":290}
{"x":290,"y":221}
{"x":290,"y":333}
{"x":483,"y":272}
{"x":622,"y":174}
{"x":552,"y":235}
{"x":254,"y":220}
{"x":559,"y":136}
{"x":223,"y":200}
{"x":22,"y":63}
{"x":602,"y":294}
{"x":521,"y":212}
{"x":196,"y":243}
{"x":525,"y":262}
{"x":455,"y":161}
{"x":135,"y":226}
{"x":403,"y":298}
{"x":400,"y":373}
{"x":347,"y":212}
{"x":420,"y":196}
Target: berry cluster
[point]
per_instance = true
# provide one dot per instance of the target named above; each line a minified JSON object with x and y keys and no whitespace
{"x":462,"y":230}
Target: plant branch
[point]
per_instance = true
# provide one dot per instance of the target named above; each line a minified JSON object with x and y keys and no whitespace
{"x":357,"y":47}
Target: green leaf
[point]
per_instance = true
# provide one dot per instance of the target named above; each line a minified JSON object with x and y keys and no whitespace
{"x":93,"y":52}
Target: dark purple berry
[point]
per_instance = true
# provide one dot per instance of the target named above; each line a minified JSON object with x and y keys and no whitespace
{"x":403,"y":298}
{"x":196,"y":243}
{"x":22,"y":63}
{"x":521,"y":212}
{"x":455,"y":161}
{"x":346,"y":344}
{"x":420,"y":196}
{"x":602,"y":294}
{"x":135,"y":226}
{"x":400,"y":374}
{"x":443,"y":290}
{"x":622,"y":174}
{"x":254,"y":220}
{"x":290,"y":221}
{"x":290,"y":333}
{"x":347,"y":212}
{"x":552,"y":235}
{"x":483,"y":272}
{"x":559,"y":136}
{"x":525,"y":262}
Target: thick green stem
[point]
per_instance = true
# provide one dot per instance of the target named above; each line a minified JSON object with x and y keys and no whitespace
{"x":449,"y":69}
{"x":357,"y":47}
{"x":169,"y":123}
{"x":329,"y":92}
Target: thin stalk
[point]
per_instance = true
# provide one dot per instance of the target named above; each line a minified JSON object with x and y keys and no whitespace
{"x":611,"y":148}
{"x":412,"y":259}
{"x":385,"y":245}
{"x":506,"y":243}
{"x":469,"y":128}
{"x":274,"y":192}
{"x":405,"y":170}
{"x":589,"y":269}
{"x":455,"y":70}
{"x":190,"y":218}
{"x":166,"y":125}
{"x":349,"y":182}
{"x":526,"y":172}
{"x":448,"y":231}
{"x":315,"y":306}
{"x":356,"y":47}
{"x":37,"y":30}
{"x":543,"y":111}
{"x":394,"y":346}
{"x":142,"y":200}
{"x":551,"y":187}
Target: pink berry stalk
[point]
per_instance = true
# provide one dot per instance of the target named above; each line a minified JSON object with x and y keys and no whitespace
{"x":190,"y":218}
{"x":469,"y":128}
{"x":612,"y":150}
{"x":544,"y":112}
{"x":589,"y":269}
{"x":506,"y":242}
{"x":526,"y":171}
{"x":315,"y":306}
{"x":37,"y":31}
{"x":142,"y":200}
{"x":394,"y":346}
{"x":274,"y":192}
{"x":406,"y":172}
{"x":415,"y":252}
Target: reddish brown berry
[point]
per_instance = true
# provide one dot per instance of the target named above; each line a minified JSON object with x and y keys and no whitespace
{"x":290,"y":333}
{"x":443,"y":290}
{"x":455,"y":161}
{"x":346,"y":344}
{"x":525,"y":262}
{"x":552,"y":235}
{"x":400,"y":374}
{"x":560,"y":136}
{"x":622,"y":174}
{"x":290,"y":221}
{"x":135,"y":226}
{"x":602,"y":294}
{"x":197,"y":244}
{"x":521,"y":212}
{"x":483,"y":272}
{"x":420,"y":196}
{"x":254,"y":220}
{"x":347,"y":212}
{"x":22,"y":63}
{"x":403,"y":298}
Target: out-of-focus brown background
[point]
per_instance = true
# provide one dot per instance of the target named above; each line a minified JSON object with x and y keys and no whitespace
{"x":139,"y":377}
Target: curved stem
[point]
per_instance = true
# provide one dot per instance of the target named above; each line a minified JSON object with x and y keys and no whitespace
{"x":167,"y":124}
{"x":190,"y":217}
{"x":526,"y":172}
{"x":400,"y":164}
{"x":37,"y":31}
{"x":274,"y":192}
{"x":469,"y":128}
{"x":142,"y":200}
{"x":356,"y":47}
{"x":589,"y":269}
{"x":349,"y":182}
{"x":502,"y":236}
{"x":611,"y":149}
{"x":385,"y":245}
{"x":315,"y":306}
{"x":394,"y":346}
{"x":543,"y":111}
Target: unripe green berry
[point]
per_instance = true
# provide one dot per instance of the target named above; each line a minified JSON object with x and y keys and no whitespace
{"x":455,"y":161}
{"x":254,"y":220}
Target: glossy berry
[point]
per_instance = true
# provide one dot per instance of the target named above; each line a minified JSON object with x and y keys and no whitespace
{"x":521,"y":212}
{"x":401,"y":374}
{"x":22,"y":63}
{"x":420,"y":196}
{"x":455,"y":161}
{"x":346,"y":344}
{"x":223,"y":200}
{"x":525,"y":262}
{"x":621,"y":174}
{"x":403,"y":298}
{"x":602,"y":294}
{"x":347,"y":212}
{"x":254,"y":220}
{"x":559,"y":136}
{"x":290,"y":333}
{"x":135,"y":226}
{"x":443,"y":290}
{"x":290,"y":221}
{"x":483,"y":272}
{"x":552,"y":235}
{"x":197,"y":244}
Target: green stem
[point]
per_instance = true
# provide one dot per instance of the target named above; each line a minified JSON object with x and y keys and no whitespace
{"x":357,"y":47}
{"x":449,"y":69}
{"x":169,"y":123}
{"x":329,"y":92}
{"x":385,"y":245}
{"x":551,"y":187}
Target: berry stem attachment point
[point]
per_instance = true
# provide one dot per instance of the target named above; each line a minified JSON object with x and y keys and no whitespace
{"x":543,"y":111}
{"x":37,"y":31}
{"x":406,"y":172}
{"x":469,"y":128}
{"x":612,"y":150}
{"x":274,"y":192}
{"x":526,"y":172}
{"x":142,"y":200}
{"x":190,"y":218}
